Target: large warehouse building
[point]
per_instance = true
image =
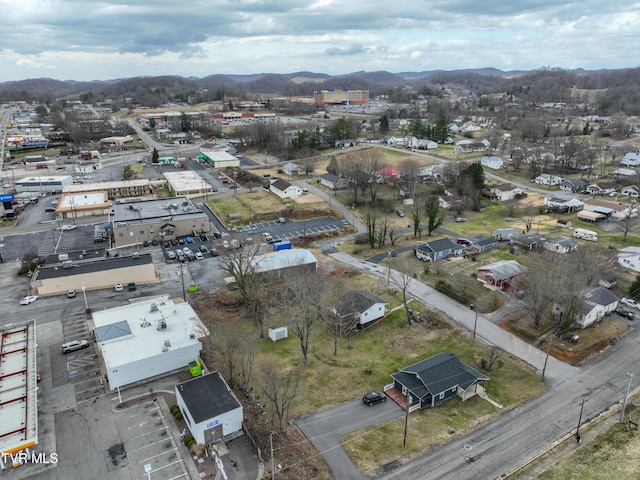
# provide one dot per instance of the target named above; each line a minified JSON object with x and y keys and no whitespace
{"x":341,"y":97}
{"x":46,"y":184}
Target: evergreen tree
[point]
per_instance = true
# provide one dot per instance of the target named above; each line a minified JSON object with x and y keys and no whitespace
{"x":333,"y":168}
{"x":441,"y":130}
{"x":154,"y":156}
{"x":434,"y":217}
{"x":384,"y":125}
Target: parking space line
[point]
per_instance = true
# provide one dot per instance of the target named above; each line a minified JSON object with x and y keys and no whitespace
{"x":151,"y":445}
{"x":167,"y":465}
{"x":179,"y":476}
{"x":89,"y":379}
{"x":161,"y":453}
{"x":149,"y":433}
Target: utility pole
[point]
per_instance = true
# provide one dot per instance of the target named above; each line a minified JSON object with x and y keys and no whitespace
{"x":626,"y":394}
{"x":475,"y":323}
{"x":406,"y":421}
{"x":547,"y":357}
{"x":389,"y":267}
{"x":579,"y":422}
{"x":184,"y":293}
{"x":273,"y":468}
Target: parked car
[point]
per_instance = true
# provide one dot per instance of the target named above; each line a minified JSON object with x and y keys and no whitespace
{"x":66,"y":228}
{"x":181,"y":241}
{"x":29,"y":299}
{"x":190,"y":256}
{"x":625,"y":313}
{"x":214,"y":252}
{"x":400,"y":213}
{"x":71,"y":293}
{"x":372,"y":398}
{"x":74,"y":345}
{"x":572,"y":338}
{"x":630,"y":302}
{"x":186,"y":250}
{"x":460,"y":219}
{"x":203,"y":249}
{"x":199,"y":256}
{"x":171,"y":255}
{"x":188,"y":239}
{"x":118,"y":287}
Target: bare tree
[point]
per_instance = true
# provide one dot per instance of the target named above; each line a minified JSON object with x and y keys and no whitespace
{"x":416,"y":220}
{"x":371,"y":221}
{"x":626,"y":224}
{"x":280,"y":388}
{"x":381,"y":235}
{"x":400,"y":276}
{"x":410,"y":167}
{"x":340,"y":319}
{"x":511,"y":206}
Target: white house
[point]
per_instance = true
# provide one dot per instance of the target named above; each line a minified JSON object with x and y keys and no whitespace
{"x":631,"y":159}
{"x":495,"y":163}
{"x":560,"y":244}
{"x":629,"y":257}
{"x":597,"y":303}
{"x":505,"y":192}
{"x":363,"y":306}
{"x":425,"y":144}
{"x":211,"y":410}
{"x":560,"y":204}
{"x":612,"y":210}
{"x":547,"y":179}
{"x":632,"y":191}
{"x":284,"y":189}
{"x":624,"y":172}
{"x":291,"y":168}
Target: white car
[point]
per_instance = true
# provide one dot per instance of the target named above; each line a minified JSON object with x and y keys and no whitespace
{"x":118,"y":287}
{"x":65,"y":228}
{"x":199,"y":255}
{"x":629,"y":302}
{"x":29,"y":299}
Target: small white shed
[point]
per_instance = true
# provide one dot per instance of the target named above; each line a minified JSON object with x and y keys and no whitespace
{"x":278,"y":333}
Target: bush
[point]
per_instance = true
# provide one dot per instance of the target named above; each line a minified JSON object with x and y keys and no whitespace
{"x":189,"y":441}
{"x":174,"y":408}
{"x":178,"y":415}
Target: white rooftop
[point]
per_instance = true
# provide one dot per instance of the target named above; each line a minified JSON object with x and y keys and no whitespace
{"x":283,"y":259}
{"x":130,"y":333}
{"x":82,"y":200}
{"x":44,"y":179}
{"x":186,"y":180}
{"x":218,"y":155}
{"x":106,"y":185}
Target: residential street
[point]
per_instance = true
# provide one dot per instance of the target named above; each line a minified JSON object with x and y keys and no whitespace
{"x":507,"y":442}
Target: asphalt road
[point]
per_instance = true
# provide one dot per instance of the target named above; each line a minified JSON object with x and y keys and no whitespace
{"x":507,"y":442}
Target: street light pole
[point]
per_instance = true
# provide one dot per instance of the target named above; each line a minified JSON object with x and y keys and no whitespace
{"x":624,"y":401}
{"x":184,"y":293}
{"x":84,"y":294}
{"x":389,"y":267}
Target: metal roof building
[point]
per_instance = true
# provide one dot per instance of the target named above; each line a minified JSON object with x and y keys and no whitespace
{"x":18,"y":388}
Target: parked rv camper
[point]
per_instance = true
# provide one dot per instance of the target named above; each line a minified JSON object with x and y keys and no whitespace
{"x":586,"y":234}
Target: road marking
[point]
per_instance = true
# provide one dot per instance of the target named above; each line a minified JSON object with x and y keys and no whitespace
{"x":151,"y":444}
{"x":161,"y":453}
{"x":149,"y":433}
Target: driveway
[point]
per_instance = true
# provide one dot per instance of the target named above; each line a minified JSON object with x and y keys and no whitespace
{"x":325,"y":431}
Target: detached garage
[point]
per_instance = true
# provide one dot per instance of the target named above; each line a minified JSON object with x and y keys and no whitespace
{"x":209,"y":407}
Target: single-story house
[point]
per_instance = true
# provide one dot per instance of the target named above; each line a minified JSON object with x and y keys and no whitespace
{"x":334,"y":182}
{"x":469,"y":146}
{"x":632,"y":191}
{"x":485,"y":244}
{"x":602,"y":188}
{"x":363,"y":306}
{"x":575,"y":185}
{"x":625,"y":172}
{"x":431,"y":171}
{"x":291,"y":168}
{"x":567,"y":205}
{"x":547,"y":179}
{"x":449,"y":202}
{"x":438,"y":249}
{"x":503,"y":274}
{"x":629,"y":257}
{"x":211,"y":410}
{"x":560,"y":244}
{"x":528,"y":241}
{"x":495,"y":163}
{"x":387,"y":174}
{"x":411,"y":141}
{"x":631,"y":159}
{"x":432,"y":381}
{"x":346,"y":142}
{"x":504,"y":192}
{"x":425,"y":144}
{"x":591,"y":217}
{"x":613,"y":210}
{"x":505,"y":233}
{"x":284,"y":189}
{"x":597,"y":303}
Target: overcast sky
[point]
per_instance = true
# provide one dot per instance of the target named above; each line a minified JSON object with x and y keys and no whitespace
{"x":99,"y":40}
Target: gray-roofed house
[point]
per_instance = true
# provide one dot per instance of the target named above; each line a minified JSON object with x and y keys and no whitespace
{"x":505,"y":233}
{"x":559,"y":204}
{"x":632,"y":191}
{"x":505,"y":192}
{"x":363,"y":306}
{"x":291,"y":168}
{"x":334,"y":182}
{"x":574,"y":185}
{"x":629,"y":257}
{"x":503,"y":274}
{"x":560,"y":244}
{"x":432,"y":381}
{"x":284,"y":189}
{"x":485,"y":244}
{"x":438,"y":249}
{"x":528,"y":241}
{"x":212,"y":411}
{"x":597,"y":303}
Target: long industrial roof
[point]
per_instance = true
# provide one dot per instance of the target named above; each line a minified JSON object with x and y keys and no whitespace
{"x":18,"y":387}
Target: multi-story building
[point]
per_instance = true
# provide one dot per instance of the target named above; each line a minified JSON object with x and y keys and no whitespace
{"x":341,"y":97}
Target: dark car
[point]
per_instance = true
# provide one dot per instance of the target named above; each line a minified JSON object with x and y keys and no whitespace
{"x":625,"y":313}
{"x":372,"y":398}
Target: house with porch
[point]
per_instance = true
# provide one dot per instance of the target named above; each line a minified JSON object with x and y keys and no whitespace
{"x":434,"y":380}
{"x":631,"y":191}
{"x":547,"y":179}
{"x":361,"y":306}
{"x":501,"y":275}
{"x":504,"y":192}
{"x":601,"y":188}
{"x":597,"y":302}
{"x":574,"y":185}
{"x":566,"y":205}
{"x":438,"y":249}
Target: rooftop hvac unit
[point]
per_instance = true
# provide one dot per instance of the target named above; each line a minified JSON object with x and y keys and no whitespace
{"x":167,"y":343}
{"x":278,"y":333}
{"x":153,"y":307}
{"x":192,"y":336}
{"x":162,"y":324}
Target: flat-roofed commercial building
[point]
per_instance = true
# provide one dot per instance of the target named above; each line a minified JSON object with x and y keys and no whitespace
{"x":18,"y":390}
{"x":122,"y":189}
{"x":341,"y":97}
{"x":162,"y":219}
{"x":148,"y":338}
{"x":187,"y":183}
{"x":219,"y":159}
{"x":84,"y":204}
{"x":93,"y":274}
{"x":44,"y":184}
